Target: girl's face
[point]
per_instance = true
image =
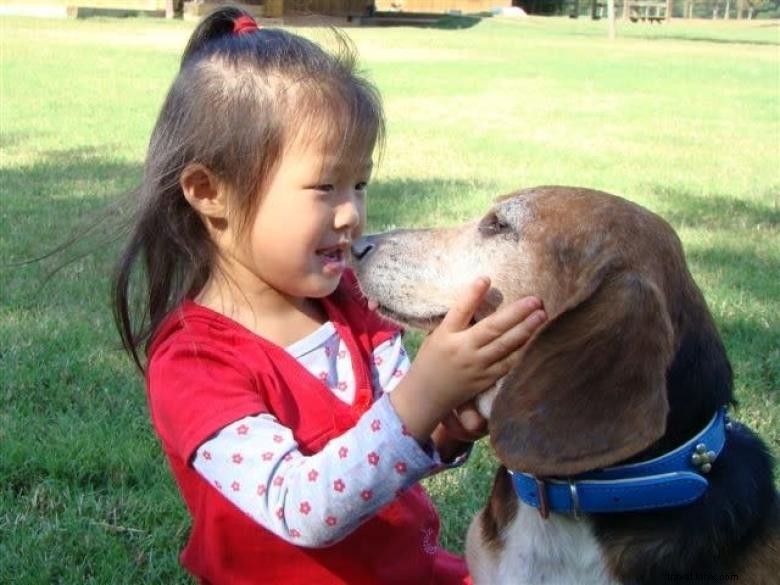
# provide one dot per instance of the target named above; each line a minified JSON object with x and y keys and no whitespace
{"x":300,"y":239}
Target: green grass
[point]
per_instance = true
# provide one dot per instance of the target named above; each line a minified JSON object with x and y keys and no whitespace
{"x":684,"y":119}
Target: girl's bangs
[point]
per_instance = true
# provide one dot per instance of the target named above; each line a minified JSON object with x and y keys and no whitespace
{"x":350,"y":126}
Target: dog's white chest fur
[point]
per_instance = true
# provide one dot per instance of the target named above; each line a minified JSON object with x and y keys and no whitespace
{"x":534,"y":551}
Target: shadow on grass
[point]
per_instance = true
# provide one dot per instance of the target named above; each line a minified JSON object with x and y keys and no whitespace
{"x":426,"y":202}
{"x":681,"y":207}
{"x":63,"y":191}
{"x":706,"y":39}
{"x":456,"y":22}
{"x":634,"y":31}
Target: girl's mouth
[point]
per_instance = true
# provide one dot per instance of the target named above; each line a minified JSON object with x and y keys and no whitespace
{"x":334,"y":259}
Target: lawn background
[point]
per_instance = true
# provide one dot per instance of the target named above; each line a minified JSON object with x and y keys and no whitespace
{"x":682,"y":118}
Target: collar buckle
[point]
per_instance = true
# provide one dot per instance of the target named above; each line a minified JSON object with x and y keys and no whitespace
{"x":541,"y":495}
{"x":575,"y":500}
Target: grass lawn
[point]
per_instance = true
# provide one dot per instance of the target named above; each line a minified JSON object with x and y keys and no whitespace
{"x":682,"y":118}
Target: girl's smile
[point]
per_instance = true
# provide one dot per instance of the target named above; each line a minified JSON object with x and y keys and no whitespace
{"x":335,"y":258}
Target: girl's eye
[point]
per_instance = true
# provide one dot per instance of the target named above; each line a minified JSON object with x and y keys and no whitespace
{"x":361,"y":186}
{"x":324,"y":188}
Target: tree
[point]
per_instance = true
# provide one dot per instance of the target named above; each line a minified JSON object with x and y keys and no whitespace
{"x":173,"y":8}
{"x":611,"y":18}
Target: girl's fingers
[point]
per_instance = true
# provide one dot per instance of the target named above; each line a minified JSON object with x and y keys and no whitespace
{"x":496,"y":325}
{"x":465,"y":423}
{"x":459,"y":316}
{"x":513,"y":339}
{"x":471,"y":420}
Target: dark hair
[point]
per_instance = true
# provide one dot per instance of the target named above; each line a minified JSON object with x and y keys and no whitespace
{"x":236,"y":102}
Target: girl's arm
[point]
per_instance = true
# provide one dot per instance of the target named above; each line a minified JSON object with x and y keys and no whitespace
{"x":313,"y":501}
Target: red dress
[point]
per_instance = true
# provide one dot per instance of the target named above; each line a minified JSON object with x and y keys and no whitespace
{"x":206,"y":371}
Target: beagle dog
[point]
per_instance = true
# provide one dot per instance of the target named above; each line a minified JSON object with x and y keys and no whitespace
{"x":619,"y":464}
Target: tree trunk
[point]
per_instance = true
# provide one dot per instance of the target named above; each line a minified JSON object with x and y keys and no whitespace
{"x":173,"y":8}
{"x":611,"y":18}
{"x":715,"y":12}
{"x":727,"y":9}
{"x":668,"y":10}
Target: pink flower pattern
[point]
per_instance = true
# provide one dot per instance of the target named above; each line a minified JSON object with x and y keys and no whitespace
{"x":387,"y":366}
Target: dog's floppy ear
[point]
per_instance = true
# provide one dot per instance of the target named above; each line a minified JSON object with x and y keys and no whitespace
{"x":590,"y":388}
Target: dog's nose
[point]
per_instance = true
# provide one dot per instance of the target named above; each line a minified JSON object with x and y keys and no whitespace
{"x":362,"y":246}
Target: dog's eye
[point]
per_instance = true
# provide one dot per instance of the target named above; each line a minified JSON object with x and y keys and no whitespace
{"x":493,"y":225}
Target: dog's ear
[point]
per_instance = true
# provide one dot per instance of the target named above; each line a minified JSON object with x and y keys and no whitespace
{"x":590,"y":388}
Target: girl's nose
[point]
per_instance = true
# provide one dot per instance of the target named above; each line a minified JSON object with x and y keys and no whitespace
{"x":348,"y":214}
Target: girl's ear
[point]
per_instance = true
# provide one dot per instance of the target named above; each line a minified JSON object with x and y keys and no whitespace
{"x":590,"y":388}
{"x":204,"y":191}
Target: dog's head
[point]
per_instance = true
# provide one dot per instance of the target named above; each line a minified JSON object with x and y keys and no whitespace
{"x":628,"y":345}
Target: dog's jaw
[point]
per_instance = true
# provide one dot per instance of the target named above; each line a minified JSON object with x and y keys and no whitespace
{"x":485,"y":400}
{"x":425,"y":323}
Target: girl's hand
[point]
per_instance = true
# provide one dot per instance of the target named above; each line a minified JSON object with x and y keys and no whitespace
{"x":461,"y":427}
{"x":457,"y":361}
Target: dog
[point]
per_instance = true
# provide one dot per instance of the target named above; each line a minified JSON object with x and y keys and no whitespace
{"x":618,"y":462}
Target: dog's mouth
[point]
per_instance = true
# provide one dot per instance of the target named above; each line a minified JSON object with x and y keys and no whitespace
{"x":424,"y":323}
{"x":421,"y":322}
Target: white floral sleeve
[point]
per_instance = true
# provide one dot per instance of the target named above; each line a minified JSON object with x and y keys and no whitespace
{"x":313,"y":501}
{"x":316,"y":500}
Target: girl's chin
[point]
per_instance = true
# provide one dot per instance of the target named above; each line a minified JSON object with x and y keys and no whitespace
{"x":324,"y":284}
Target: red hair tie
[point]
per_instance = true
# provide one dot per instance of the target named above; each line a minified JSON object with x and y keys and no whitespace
{"x":244,"y":24}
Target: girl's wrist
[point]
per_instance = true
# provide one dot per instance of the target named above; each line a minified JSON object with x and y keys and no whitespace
{"x":419,"y":415}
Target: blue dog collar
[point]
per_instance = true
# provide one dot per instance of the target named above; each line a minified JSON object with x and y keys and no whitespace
{"x":673,"y":479}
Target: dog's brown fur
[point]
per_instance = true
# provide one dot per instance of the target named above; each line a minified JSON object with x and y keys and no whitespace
{"x":628,"y":366}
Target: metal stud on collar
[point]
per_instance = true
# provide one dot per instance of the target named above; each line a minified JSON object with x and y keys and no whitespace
{"x":702,"y":458}
{"x":729,"y":422}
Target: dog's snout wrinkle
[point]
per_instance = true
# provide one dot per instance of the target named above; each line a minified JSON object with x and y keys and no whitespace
{"x":363,"y":246}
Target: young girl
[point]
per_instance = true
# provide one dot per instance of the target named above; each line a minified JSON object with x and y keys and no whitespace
{"x":269,"y":379}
